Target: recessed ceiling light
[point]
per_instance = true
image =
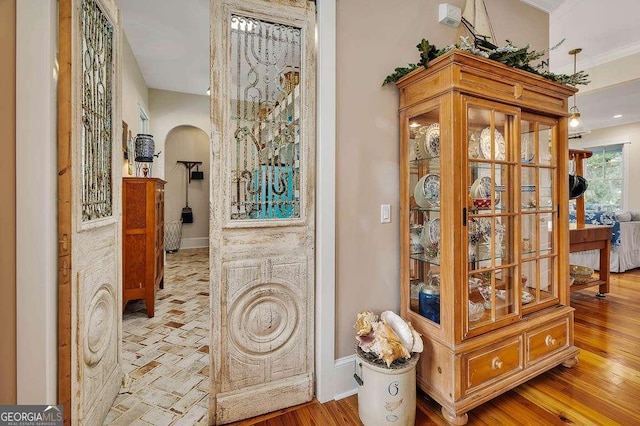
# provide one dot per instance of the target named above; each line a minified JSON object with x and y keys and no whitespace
{"x":617,"y":116}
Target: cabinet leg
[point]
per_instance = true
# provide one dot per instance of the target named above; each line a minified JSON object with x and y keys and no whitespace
{"x":571,"y":362}
{"x":453,"y":419}
{"x":601,"y":295}
{"x":149,"y":303}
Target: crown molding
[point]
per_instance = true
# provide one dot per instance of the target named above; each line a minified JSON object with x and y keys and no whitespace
{"x":603,"y":58}
{"x":547,"y":6}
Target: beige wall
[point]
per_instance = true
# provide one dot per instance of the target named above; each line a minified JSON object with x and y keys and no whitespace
{"x":187,"y":143}
{"x":135,"y":94}
{"x":171,"y":110}
{"x":611,"y":135}
{"x":373,"y":37}
{"x":8,"y":205}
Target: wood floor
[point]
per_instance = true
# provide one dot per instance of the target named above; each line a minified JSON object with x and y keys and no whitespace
{"x":603,"y":389}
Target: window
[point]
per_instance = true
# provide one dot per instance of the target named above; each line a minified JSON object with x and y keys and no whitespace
{"x":143,"y":123}
{"x":605,"y":176}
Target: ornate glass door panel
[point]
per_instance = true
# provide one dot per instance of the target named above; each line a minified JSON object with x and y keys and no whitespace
{"x":89,"y":207}
{"x":265,"y":104}
{"x":262,"y":225}
{"x":491,"y":215}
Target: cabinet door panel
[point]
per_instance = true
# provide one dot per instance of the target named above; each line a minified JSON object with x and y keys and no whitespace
{"x":493,"y":152}
{"x":423,"y":182}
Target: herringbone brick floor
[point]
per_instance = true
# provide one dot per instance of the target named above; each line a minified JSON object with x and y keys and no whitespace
{"x":167,"y":356}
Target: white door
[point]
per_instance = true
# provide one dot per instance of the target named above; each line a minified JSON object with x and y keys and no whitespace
{"x":262,"y":192}
{"x":89,"y":188}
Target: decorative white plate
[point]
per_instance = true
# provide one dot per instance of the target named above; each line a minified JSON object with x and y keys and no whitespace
{"x":485,"y":144}
{"x":483,"y":189}
{"x":474,"y":145}
{"x":434,"y":230}
{"x":430,"y":140}
{"x":427,"y":191}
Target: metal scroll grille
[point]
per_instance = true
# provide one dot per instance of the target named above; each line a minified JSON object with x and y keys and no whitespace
{"x":265,"y":105}
{"x":97,"y":120}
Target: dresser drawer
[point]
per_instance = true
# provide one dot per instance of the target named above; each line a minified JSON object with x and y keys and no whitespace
{"x":546,"y":340}
{"x":489,"y":363}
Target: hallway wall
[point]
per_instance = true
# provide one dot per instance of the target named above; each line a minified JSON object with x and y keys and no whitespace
{"x":373,"y":37}
{"x":8,"y":205}
{"x":170,"y":110}
{"x":187,"y":143}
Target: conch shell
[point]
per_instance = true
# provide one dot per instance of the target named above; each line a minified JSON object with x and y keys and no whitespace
{"x":400,"y":327}
{"x":364,"y":323}
{"x":387,"y":344}
{"x":364,"y":329}
{"x":390,"y":338}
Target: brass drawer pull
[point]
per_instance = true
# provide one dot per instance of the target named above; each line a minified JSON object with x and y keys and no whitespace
{"x":549,"y":341}
{"x":496,"y":364}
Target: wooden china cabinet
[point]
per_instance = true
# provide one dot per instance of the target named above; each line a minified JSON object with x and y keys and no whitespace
{"x":142,"y":240}
{"x":484,"y":227}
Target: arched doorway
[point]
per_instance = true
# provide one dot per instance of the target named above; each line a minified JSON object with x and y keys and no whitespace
{"x":188,"y":143}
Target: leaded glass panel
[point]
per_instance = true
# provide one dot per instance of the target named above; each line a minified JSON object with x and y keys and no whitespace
{"x":265,"y":105}
{"x":97,"y":120}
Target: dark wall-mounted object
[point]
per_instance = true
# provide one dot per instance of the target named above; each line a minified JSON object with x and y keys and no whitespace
{"x":187,"y":212}
{"x":197,"y":174}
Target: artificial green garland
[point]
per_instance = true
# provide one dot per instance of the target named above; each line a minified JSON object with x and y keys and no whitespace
{"x":509,"y":55}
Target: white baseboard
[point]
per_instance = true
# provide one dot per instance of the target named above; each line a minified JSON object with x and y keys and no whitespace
{"x":187,"y":243}
{"x":345,"y":384}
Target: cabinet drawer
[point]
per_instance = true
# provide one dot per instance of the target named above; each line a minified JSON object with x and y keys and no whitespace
{"x":543,"y":341}
{"x":489,"y":363}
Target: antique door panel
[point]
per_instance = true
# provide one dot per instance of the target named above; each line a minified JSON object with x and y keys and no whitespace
{"x":262,"y":225}
{"x":89,"y":209}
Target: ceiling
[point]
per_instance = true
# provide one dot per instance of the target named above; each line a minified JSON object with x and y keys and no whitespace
{"x":170,"y":41}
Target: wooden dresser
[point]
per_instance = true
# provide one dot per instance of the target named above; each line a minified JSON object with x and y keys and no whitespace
{"x":142,"y":240}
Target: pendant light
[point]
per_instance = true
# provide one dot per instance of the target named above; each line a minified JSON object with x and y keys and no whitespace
{"x":575,"y":122}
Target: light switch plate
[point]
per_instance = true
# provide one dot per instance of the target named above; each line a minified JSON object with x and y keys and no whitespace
{"x":385,"y":213}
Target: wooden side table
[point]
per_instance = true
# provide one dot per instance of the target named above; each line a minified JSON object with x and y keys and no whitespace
{"x":590,"y":237}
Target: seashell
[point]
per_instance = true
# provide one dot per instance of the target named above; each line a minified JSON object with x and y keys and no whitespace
{"x":400,"y":327}
{"x":387,"y":344}
{"x":365,"y":342}
{"x":417,"y":341}
{"x":364,"y":323}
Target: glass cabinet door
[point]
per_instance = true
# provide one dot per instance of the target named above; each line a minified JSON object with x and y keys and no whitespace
{"x":538,"y":213}
{"x":424,"y":220}
{"x":491,"y":215}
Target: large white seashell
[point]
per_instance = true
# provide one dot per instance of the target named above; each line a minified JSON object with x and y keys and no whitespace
{"x":387,"y":344}
{"x":417,"y":341}
{"x":400,"y":327}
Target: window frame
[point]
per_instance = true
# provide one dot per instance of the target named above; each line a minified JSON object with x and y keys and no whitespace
{"x":624,"y":142}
